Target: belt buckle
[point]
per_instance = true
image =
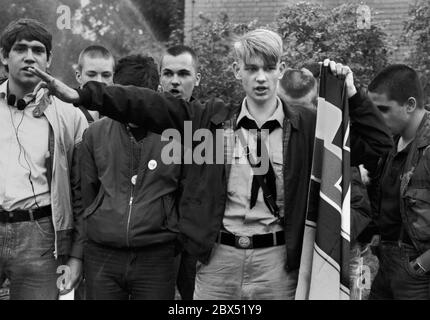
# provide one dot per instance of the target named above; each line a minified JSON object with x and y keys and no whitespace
{"x":243,"y":242}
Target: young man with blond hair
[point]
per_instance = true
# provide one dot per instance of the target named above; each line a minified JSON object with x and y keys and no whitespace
{"x":248,"y":242}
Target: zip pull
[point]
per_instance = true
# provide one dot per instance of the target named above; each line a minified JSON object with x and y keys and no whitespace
{"x":131,"y":201}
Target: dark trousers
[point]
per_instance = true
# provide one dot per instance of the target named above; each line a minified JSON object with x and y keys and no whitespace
{"x":396,"y":279}
{"x":186,"y":275}
{"x":146,"y":273}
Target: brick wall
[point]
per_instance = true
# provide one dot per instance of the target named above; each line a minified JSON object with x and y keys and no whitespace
{"x":391,"y":14}
{"x":238,"y":10}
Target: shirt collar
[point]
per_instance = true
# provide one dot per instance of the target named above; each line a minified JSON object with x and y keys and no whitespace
{"x":3,"y":93}
{"x":3,"y":89}
{"x":278,"y":115}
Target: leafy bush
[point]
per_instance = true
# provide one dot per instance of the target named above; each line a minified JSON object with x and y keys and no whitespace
{"x":163,"y":15}
{"x":119,"y":26}
{"x":311,"y":33}
{"x":417,"y":31}
{"x":212,"y":42}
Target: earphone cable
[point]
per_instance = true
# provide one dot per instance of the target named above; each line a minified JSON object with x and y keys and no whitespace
{"x":22,"y":151}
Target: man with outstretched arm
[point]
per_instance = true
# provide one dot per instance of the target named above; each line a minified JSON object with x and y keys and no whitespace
{"x":227,"y":218}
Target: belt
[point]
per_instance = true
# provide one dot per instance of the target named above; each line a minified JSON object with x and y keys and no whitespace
{"x":24,"y":215}
{"x":253,"y":242}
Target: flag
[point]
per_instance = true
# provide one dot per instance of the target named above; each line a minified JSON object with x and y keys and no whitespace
{"x":324,"y":268}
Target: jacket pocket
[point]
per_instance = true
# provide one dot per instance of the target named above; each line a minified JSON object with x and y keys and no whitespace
{"x":278,"y":168}
{"x":170,"y":212}
{"x":95,"y":204}
{"x":418,"y":210}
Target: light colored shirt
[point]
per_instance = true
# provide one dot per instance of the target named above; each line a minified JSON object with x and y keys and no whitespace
{"x":23,"y":150}
{"x":239,"y":218}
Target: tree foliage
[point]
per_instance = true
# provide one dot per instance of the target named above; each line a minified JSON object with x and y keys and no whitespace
{"x":212,"y":42}
{"x":164,"y":16}
{"x":417,"y":31}
{"x":310,"y":32}
{"x":65,"y":43}
{"x":119,"y":26}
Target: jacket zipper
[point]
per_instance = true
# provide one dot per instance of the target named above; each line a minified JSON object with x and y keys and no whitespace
{"x":130,"y":206}
{"x":130,"y":202}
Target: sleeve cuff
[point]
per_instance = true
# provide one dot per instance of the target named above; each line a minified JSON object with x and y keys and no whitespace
{"x":77,"y":251}
{"x":356,"y":100}
{"x":84,"y":97}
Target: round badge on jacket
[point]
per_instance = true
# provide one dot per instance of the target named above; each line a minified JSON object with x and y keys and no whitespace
{"x":133,"y":179}
{"x":152,"y":164}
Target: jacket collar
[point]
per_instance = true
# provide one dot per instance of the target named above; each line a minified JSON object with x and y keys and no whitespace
{"x":278,"y":115}
{"x":41,"y":101}
{"x":291,"y":114}
{"x":423,"y":132}
{"x":226,"y":113}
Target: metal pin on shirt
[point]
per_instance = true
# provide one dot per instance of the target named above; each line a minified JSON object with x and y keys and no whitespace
{"x":133,"y":180}
{"x":152,"y":164}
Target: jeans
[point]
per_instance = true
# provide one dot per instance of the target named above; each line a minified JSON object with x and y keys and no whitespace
{"x":396,"y":279}
{"x":244,"y":274}
{"x":27,"y":259}
{"x":146,"y":273}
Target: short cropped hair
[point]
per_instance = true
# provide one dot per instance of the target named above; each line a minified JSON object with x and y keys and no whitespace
{"x":298,"y":83}
{"x":25,"y":29}
{"x":313,"y":67}
{"x":137,"y":70}
{"x":259,"y":42}
{"x":398,"y":82}
{"x":95,"y":51}
{"x":178,"y":50}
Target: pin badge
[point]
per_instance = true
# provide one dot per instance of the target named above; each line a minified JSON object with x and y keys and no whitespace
{"x":133,"y":179}
{"x":152,"y":164}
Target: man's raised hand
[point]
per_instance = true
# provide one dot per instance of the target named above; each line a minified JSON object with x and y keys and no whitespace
{"x":55,"y":87}
{"x":343,"y":72}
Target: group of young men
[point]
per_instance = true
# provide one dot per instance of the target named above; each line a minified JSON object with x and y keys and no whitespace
{"x":102,"y":199}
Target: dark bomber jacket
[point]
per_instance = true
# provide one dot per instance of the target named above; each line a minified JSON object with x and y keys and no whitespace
{"x":119,"y":213}
{"x":414,"y":188}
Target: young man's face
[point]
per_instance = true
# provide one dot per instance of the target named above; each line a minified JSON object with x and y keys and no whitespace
{"x":98,"y":69}
{"x":260,"y":81}
{"x":179,"y":75}
{"x":24,"y":54}
{"x":395,"y":115}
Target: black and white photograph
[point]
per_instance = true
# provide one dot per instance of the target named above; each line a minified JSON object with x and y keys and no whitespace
{"x":217,"y":155}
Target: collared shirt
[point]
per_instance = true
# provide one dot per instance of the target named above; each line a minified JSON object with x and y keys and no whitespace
{"x":239,"y":218}
{"x":23,"y":149}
